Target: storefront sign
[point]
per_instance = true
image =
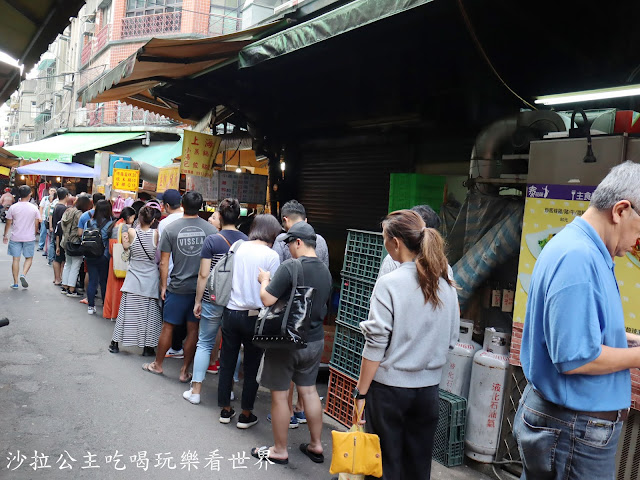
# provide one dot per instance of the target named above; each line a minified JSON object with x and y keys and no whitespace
{"x":199,"y":151}
{"x":208,"y":187}
{"x":169,"y":177}
{"x":64,"y":158}
{"x":548,"y":209}
{"x":247,"y":188}
{"x":124,"y":179}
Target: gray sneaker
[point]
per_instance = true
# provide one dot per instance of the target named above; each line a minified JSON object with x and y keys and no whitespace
{"x":23,"y":281}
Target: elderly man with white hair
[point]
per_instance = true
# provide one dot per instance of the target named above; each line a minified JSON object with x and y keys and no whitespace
{"x":575,"y":351}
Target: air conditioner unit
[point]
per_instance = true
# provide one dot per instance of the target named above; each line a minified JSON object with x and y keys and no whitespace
{"x":88,"y":28}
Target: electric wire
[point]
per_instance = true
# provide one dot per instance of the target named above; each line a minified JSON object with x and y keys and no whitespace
{"x":472,"y":32}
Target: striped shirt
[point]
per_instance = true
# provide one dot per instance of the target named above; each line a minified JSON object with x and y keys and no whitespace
{"x":215,"y":247}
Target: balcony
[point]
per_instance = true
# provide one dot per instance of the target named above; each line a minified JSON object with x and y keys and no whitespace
{"x":95,"y":45}
{"x":224,"y":24}
{"x":121,"y":114}
{"x":150,"y":25}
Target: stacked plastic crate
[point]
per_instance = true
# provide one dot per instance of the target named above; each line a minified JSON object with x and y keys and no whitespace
{"x":362,"y":259}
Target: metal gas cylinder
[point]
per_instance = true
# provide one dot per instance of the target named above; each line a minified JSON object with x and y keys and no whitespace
{"x":486,"y":391}
{"x":456,"y":373}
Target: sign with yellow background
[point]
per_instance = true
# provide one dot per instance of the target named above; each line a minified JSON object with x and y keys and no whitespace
{"x":548,"y":209}
{"x":198,"y":153}
{"x":125,"y":179}
{"x":168,"y":177}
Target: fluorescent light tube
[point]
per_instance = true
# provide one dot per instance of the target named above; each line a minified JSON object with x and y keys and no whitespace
{"x":589,"y":95}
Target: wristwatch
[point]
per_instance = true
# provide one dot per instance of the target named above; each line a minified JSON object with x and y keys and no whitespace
{"x":357,"y":395}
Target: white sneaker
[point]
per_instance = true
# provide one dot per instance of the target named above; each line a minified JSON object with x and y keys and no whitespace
{"x":191,"y":397}
{"x":233,"y":397}
{"x":91,"y":310}
{"x":171,"y":353}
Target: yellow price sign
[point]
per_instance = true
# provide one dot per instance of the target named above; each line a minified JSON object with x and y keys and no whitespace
{"x":168,"y":177}
{"x":124,"y":179}
{"x":199,"y":151}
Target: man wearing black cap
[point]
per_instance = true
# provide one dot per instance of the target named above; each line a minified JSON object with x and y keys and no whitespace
{"x":300,"y":366}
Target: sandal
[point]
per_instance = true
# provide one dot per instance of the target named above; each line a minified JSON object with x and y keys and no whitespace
{"x":188,"y":379}
{"x":147,"y":368}
{"x":260,"y":454}
{"x":315,"y":457}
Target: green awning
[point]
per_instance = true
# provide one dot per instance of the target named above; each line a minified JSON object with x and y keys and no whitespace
{"x":63,"y":147}
{"x":346,"y":18}
{"x":158,"y":154}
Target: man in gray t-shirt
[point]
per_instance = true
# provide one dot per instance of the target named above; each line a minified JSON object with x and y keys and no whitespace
{"x":293,"y":212}
{"x":182,"y":240}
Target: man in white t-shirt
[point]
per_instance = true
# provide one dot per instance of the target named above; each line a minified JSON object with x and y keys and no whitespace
{"x":44,"y":207}
{"x":171,"y":199}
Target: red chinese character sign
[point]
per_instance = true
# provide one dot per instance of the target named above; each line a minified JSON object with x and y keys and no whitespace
{"x":199,"y":151}
{"x":125,"y":179}
{"x":168,"y":177}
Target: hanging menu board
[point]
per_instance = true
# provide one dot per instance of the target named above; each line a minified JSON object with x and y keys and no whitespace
{"x":207,"y":186}
{"x":247,"y":188}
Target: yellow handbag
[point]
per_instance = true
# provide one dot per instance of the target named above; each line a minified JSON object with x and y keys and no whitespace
{"x":120,"y":266}
{"x":356,"y":452}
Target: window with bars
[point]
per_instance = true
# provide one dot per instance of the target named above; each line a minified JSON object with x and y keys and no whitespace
{"x":225,"y":17}
{"x":136,"y":8}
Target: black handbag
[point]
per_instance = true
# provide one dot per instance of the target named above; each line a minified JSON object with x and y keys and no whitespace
{"x":286,"y":323}
{"x":73,"y":248}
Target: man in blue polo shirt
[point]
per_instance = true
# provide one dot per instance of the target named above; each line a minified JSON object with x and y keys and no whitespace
{"x":575,"y":351}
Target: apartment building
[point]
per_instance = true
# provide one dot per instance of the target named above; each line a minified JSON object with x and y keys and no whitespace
{"x":21,"y":115}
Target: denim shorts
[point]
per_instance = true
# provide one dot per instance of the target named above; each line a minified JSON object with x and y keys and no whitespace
{"x":558,"y":443}
{"x":282,"y":366}
{"x":178,"y":308}
{"x":25,"y":249}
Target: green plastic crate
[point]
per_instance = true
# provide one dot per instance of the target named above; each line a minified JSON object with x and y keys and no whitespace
{"x":363,"y":255}
{"x":448,"y":445}
{"x":407,"y":190}
{"x":347,"y":350}
{"x":355,"y":296}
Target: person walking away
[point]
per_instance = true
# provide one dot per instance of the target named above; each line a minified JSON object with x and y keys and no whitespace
{"x":44,"y":207}
{"x":413,"y":322}
{"x":210,"y":314}
{"x":50,"y":243}
{"x":575,"y":350}
{"x":99,"y":267}
{"x":240,"y":314}
{"x":282,"y":366}
{"x":140,"y":316}
{"x":113,"y":295}
{"x":171,"y":203}
{"x":25,"y":219}
{"x":183,"y":240}
{"x":7,"y":199}
{"x":72,"y":265}
{"x":291,"y":213}
{"x":54,"y":219}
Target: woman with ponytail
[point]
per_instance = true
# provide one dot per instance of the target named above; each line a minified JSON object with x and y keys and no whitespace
{"x":413,"y":322}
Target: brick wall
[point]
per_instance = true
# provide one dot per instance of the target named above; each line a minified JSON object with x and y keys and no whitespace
{"x":195,"y":16}
{"x":514,"y":359}
{"x":123,"y":51}
{"x":119,"y":12}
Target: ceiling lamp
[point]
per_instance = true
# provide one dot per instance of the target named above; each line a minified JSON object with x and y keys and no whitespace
{"x":589,"y":95}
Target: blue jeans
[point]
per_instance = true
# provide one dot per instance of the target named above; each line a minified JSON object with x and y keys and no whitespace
{"x":52,"y":248}
{"x":43,"y":235}
{"x":98,"y":274}
{"x":210,"y":321}
{"x":237,"y":329}
{"x":561,"y":444}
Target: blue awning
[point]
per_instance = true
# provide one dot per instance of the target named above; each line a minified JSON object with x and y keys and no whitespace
{"x":57,"y":169}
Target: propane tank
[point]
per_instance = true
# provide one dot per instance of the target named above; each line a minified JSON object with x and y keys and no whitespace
{"x":486,"y":391}
{"x":456,"y":373}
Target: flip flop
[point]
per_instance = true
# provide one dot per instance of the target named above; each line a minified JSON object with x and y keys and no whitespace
{"x":315,"y":457}
{"x":189,"y":377}
{"x":261,"y":456}
{"x":147,"y":368}
{"x":85,"y":301}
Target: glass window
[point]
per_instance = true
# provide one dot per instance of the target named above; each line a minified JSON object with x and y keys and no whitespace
{"x":34,"y":110}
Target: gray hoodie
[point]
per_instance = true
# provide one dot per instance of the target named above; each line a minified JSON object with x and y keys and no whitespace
{"x":411,"y":339}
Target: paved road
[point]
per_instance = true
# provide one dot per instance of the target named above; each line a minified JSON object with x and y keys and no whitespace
{"x":65,"y":396}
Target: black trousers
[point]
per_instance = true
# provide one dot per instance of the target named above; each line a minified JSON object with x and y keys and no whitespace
{"x":405,"y":419}
{"x":237,"y":329}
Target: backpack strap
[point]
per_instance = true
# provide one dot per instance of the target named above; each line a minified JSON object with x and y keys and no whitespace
{"x":225,"y":239}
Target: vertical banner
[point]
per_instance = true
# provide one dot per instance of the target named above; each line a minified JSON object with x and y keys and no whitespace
{"x":548,"y":209}
{"x":199,"y":151}
{"x":125,"y":179}
{"x":168,"y":177}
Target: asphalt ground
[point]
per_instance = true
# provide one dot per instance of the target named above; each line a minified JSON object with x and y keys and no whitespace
{"x":96,"y":415}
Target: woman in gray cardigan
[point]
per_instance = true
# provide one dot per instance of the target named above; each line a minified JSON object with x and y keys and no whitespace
{"x":413,"y":322}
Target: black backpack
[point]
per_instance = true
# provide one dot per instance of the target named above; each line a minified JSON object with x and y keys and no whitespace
{"x":92,"y":245}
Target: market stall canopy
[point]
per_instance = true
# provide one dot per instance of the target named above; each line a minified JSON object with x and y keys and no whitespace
{"x":158,"y":154}
{"x":63,"y":147}
{"x":57,"y":169}
{"x":336,"y":22}
{"x":167,"y":60}
{"x":8,"y":159}
{"x":28,"y":27}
